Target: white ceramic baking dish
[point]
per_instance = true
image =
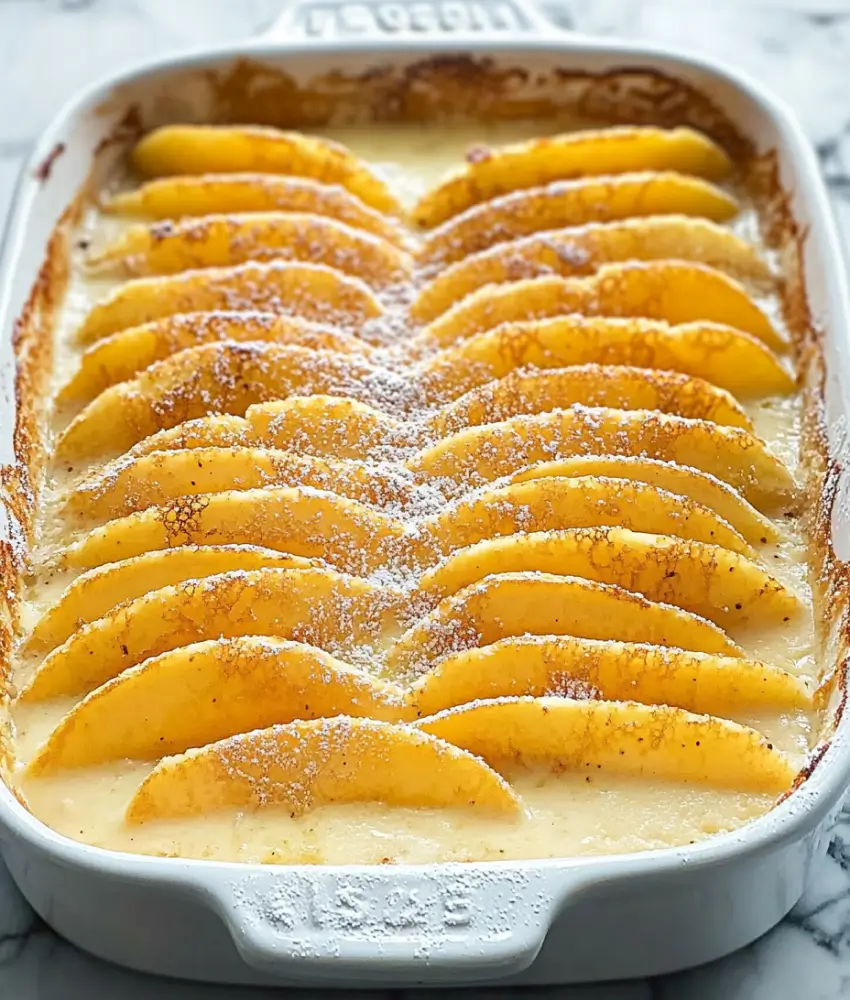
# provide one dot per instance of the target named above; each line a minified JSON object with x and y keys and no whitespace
{"x":536,"y":922}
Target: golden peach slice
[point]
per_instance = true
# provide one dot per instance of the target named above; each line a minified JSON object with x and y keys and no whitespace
{"x":582,"y":250}
{"x":628,"y":388}
{"x":551,"y":503}
{"x":300,"y":521}
{"x":299,"y":604}
{"x":330,"y":426}
{"x":221,"y":377}
{"x":211,"y":194}
{"x":311,"y":291}
{"x":129,"y":485}
{"x":480,"y":455}
{"x":701,"y":487}
{"x":310,"y":425}
{"x":303,"y":765}
{"x":540,"y":665}
{"x":219,"y":431}
{"x":728,"y":358}
{"x":206,"y":691}
{"x":98,"y":591}
{"x":224,"y":149}
{"x":513,"y":604}
{"x":711,"y":581}
{"x":123,"y":355}
{"x":572,"y":203}
{"x":672,"y":291}
{"x":486,"y":174}
{"x":225,"y":240}
{"x":619,"y":737}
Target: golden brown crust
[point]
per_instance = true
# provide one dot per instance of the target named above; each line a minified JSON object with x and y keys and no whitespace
{"x":249,"y":91}
{"x":823,"y":472}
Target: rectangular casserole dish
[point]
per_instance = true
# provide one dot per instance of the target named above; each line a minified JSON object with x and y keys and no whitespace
{"x":507,"y":923}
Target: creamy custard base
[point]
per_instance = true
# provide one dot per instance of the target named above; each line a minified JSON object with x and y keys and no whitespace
{"x":566,"y":814}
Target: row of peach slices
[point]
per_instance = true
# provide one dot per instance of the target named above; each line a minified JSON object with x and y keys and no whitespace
{"x":282,"y":642}
{"x":699,"y":317}
{"x":629,"y":194}
{"x":670,"y":309}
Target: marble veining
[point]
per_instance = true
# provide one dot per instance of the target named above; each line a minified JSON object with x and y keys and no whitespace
{"x":800,"y":48}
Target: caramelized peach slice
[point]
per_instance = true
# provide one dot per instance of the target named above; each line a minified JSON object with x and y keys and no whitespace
{"x":709,"y":580}
{"x":325,"y":426}
{"x":540,"y":665}
{"x":701,"y":487}
{"x":551,"y":503}
{"x":329,"y":425}
{"x":312,"y":291}
{"x":582,"y":250}
{"x":513,"y":604}
{"x":207,"y":691}
{"x":479,"y":455}
{"x":129,"y":485}
{"x":307,"y":764}
{"x":619,"y":737}
{"x":301,"y":604}
{"x":202,"y":149}
{"x":225,"y":240}
{"x":225,"y":377}
{"x":98,"y":591}
{"x":123,"y":355}
{"x":572,"y":203}
{"x":211,"y":194}
{"x":728,"y":358}
{"x":217,"y":431}
{"x":618,"y":150}
{"x":300,"y":521}
{"x":625,"y":387}
{"x":669,"y":290}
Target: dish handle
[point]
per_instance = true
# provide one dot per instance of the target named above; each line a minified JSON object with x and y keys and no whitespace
{"x":377,"y":21}
{"x":446,"y":924}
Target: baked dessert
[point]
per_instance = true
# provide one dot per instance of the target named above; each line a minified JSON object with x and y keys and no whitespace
{"x":396,"y":519}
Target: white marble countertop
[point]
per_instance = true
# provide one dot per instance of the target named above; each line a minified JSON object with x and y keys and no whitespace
{"x":801,"y":48}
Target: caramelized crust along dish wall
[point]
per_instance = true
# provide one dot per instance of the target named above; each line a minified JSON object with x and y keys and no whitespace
{"x":396,"y":515}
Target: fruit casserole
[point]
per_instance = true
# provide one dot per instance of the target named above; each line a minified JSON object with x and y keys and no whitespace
{"x":420,"y":496}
